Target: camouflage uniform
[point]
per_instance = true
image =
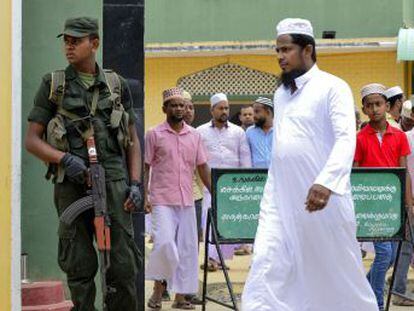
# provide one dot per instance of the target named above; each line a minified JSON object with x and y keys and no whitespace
{"x":76,"y":253}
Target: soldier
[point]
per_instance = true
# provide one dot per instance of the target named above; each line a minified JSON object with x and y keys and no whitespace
{"x":67,"y":107}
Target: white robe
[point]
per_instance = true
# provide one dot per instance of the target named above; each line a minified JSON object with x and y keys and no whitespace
{"x":309,"y":261}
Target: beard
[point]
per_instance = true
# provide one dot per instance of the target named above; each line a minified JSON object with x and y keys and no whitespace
{"x":176,"y":119}
{"x":260,"y":123}
{"x":288,"y":78}
{"x":222,"y":119}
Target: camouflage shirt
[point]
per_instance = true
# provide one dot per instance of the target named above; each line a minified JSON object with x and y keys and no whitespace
{"x":77,"y":99}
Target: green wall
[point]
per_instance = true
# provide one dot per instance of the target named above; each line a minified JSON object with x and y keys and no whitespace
{"x":42,"y":53}
{"x":223,"y":20}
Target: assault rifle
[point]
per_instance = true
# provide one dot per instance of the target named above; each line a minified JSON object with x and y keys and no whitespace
{"x":95,"y":199}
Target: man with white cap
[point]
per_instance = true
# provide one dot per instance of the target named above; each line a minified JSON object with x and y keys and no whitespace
{"x":395,"y":97}
{"x":380,"y":145}
{"x":306,"y":256}
{"x":227,"y":147}
{"x":173,"y":150}
{"x":260,"y":136}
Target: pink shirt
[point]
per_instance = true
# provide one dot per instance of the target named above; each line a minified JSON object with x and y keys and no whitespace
{"x":173,"y":158}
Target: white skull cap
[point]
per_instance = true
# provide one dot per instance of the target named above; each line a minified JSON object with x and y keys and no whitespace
{"x":407,"y":109}
{"x":393,"y":91}
{"x":216,"y":98}
{"x":294,"y":26}
{"x":372,"y":88}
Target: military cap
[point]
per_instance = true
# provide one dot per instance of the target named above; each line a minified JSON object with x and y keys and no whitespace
{"x":80,"y":27}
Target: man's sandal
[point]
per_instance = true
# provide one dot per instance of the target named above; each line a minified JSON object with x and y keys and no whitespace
{"x":402,"y":301}
{"x":211,"y":266}
{"x":183,"y":305}
{"x":194,"y":299}
{"x":154,"y":303}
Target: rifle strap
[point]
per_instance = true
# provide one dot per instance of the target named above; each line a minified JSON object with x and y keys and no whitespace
{"x":90,"y":131}
{"x":113,"y":82}
{"x":57,"y":87}
{"x":95,"y":98}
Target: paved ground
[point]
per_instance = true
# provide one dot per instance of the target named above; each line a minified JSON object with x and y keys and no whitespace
{"x":238,"y":272}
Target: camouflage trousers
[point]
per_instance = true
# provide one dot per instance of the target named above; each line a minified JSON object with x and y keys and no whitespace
{"x":77,"y":256}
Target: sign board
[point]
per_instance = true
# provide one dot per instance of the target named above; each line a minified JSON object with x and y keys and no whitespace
{"x":378,"y":198}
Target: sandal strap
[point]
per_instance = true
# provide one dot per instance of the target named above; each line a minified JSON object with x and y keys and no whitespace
{"x":154,"y":303}
{"x":185,"y":305}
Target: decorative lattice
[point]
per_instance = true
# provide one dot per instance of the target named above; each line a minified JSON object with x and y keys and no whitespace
{"x":231,"y":79}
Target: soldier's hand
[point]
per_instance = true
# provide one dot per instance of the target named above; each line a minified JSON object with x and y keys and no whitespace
{"x":75,"y":168}
{"x":134,"y":199}
{"x":318,"y":197}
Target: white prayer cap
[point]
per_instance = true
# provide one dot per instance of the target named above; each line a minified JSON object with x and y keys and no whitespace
{"x":187,"y":95}
{"x":407,"y":109}
{"x":393,"y":91}
{"x":216,"y":98}
{"x":372,"y":88}
{"x":294,"y":26}
{"x":264,"y":101}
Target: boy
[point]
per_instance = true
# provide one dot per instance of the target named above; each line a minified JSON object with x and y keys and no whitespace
{"x":380,"y":145}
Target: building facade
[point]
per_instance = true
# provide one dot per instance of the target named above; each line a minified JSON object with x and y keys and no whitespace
{"x":187,"y":40}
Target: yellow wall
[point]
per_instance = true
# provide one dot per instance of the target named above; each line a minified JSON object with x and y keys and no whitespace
{"x":355,"y":68}
{"x":5,"y":154}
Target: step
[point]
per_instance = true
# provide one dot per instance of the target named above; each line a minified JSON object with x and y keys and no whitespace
{"x":61,"y":306}
{"x":42,"y":293}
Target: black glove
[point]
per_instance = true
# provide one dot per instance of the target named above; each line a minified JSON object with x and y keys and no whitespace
{"x":75,"y":168}
{"x":135,"y":194}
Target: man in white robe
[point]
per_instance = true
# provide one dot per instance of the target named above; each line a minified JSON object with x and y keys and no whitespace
{"x":306,"y":255}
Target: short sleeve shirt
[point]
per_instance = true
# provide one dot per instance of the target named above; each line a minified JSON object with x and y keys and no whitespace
{"x":260,"y":143}
{"x":370,"y":152}
{"x":173,"y":157}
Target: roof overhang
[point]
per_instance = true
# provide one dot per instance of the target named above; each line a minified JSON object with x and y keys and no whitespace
{"x":323,"y":46}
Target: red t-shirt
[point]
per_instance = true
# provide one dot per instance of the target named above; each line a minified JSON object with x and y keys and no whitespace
{"x":370,"y":152}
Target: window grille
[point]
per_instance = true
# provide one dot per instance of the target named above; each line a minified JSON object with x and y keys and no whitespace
{"x":231,"y":79}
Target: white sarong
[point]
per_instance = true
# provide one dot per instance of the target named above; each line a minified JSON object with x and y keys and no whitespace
{"x":174,"y":256}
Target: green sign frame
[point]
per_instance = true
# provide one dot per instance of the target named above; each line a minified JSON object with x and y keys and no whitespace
{"x":378,"y":195}
{"x":388,"y":207}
